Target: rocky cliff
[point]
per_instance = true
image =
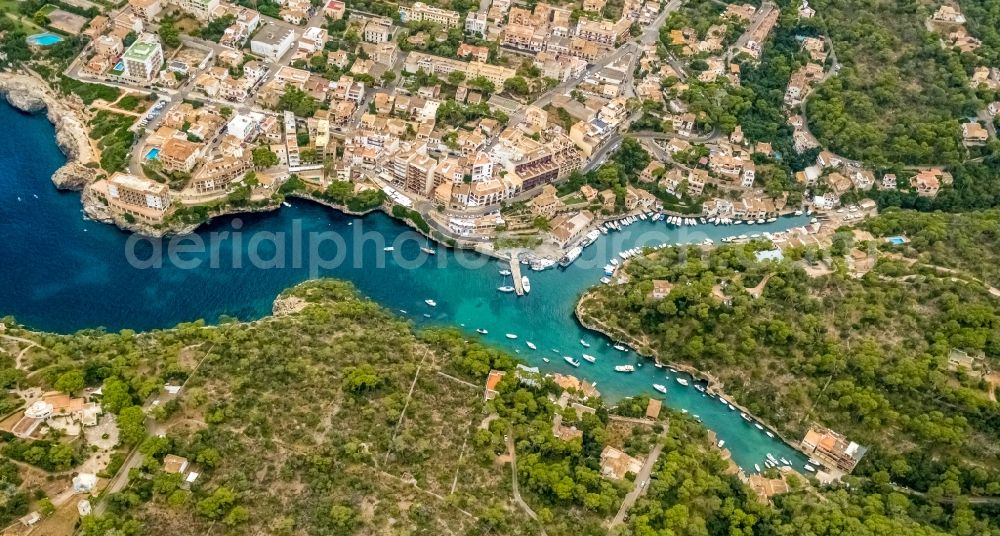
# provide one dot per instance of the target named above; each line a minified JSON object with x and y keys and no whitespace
{"x":31,"y":95}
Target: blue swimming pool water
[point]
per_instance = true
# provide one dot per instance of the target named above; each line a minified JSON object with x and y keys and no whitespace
{"x":153,"y":153}
{"x":61,"y":272}
{"x":44,"y":39}
{"x":120,"y":66}
{"x":896,"y":240}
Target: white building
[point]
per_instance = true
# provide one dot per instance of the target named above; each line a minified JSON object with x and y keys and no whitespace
{"x":143,"y":59}
{"x":201,"y":9}
{"x":475,"y":23}
{"x":272,"y":41}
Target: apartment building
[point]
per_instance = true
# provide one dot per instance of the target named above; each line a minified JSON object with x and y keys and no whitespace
{"x":201,"y":9}
{"x":178,"y":155}
{"x":128,"y":192}
{"x":143,"y":59}
{"x":217,"y":175}
{"x":420,"y":11}
{"x":378,"y":30}
{"x":443,"y":66}
{"x":146,"y":9}
{"x":602,"y":31}
{"x":525,"y":37}
{"x":475,"y":23}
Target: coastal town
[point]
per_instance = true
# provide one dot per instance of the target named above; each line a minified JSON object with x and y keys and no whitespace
{"x":525,"y":131}
{"x":498,"y":130}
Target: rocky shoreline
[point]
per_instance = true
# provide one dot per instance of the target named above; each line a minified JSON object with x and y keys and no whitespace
{"x":31,"y":95}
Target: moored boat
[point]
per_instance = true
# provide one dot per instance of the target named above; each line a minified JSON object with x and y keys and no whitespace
{"x":428,"y":251}
{"x":571,"y":361}
{"x":682,"y":381}
{"x":589,"y":358}
{"x":660,"y":387}
{"x":584,"y":343}
{"x":624,"y":368}
{"x":506,"y":288}
{"x":721,"y":443}
{"x":511,"y":336}
{"x":432,"y":303}
{"x":531,"y":345}
{"x":525,"y":284}
{"x":759,"y":427}
{"x":620,"y":348}
{"x":482,"y":331}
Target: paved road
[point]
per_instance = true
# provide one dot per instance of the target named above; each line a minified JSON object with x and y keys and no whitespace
{"x":758,"y":19}
{"x":639,"y":486}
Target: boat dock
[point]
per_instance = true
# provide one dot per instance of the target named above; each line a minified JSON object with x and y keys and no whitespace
{"x":515,"y":274}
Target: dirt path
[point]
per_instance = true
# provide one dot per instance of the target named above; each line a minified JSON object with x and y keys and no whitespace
{"x":512,"y":453}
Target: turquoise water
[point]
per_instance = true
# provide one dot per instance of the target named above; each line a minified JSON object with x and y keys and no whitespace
{"x":44,"y":39}
{"x":60,"y":272}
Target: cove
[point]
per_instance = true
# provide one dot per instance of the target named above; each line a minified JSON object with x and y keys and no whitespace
{"x":59,"y":272}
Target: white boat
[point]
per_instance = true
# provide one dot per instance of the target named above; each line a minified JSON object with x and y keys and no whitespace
{"x":589,"y":358}
{"x":525,"y":284}
{"x":757,"y":467}
{"x":759,"y":427}
{"x":660,"y":387}
{"x":699,"y":388}
{"x":809,"y":468}
{"x":504,"y":272}
{"x":482,"y":331}
{"x":428,"y":251}
{"x":786,"y":462}
{"x":771,"y":458}
{"x":571,"y":361}
{"x":721,"y":443}
{"x":605,"y":280}
{"x":769,"y":464}
{"x":620,"y":348}
{"x":286,"y":204}
{"x":657,"y":364}
{"x":432,"y":303}
{"x":769,"y":434}
{"x":545,"y":359}
{"x":732,"y":407}
{"x":389,"y":248}
{"x":797,"y":213}
{"x":584,"y":343}
{"x":511,"y":336}
{"x":624,"y":368}
{"x":531,"y":345}
{"x":426,"y":315}
{"x":682,"y":381}
{"x":506,"y":288}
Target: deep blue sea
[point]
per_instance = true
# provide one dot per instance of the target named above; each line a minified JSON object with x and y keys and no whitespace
{"x":60,"y":272}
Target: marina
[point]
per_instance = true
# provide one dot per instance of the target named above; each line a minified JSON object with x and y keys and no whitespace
{"x":101,"y":286}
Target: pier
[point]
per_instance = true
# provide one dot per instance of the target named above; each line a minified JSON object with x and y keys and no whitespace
{"x":515,"y":273}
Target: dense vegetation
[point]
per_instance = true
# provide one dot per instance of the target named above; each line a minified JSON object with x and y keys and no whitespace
{"x":114,"y":138}
{"x":867,"y":357}
{"x":333,"y":417}
{"x":899,"y":95}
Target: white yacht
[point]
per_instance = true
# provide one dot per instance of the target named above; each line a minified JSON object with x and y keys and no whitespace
{"x":660,"y":387}
{"x":624,"y":368}
{"x":526,"y":284}
{"x":589,"y":358}
{"x":531,"y":345}
{"x":571,"y":361}
{"x":432,"y":303}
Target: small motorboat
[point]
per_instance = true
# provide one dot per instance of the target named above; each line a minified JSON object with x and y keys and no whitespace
{"x":624,"y":368}
{"x":283,"y":203}
{"x":531,"y":345}
{"x":699,"y":388}
{"x":571,"y":361}
{"x":584,"y":343}
{"x":428,"y":251}
{"x":388,"y":248}
{"x":432,"y":303}
{"x":809,"y":468}
{"x":504,"y":272}
{"x":769,"y":434}
{"x":589,"y":358}
{"x":757,"y":467}
{"x":657,"y":364}
{"x":511,"y":336}
{"x":545,"y":359}
{"x":759,"y":427}
{"x":721,"y":443}
{"x":426,"y":315}
{"x":620,"y":348}
{"x":482,"y":331}
{"x":682,"y":381}
{"x":660,"y":387}
{"x":526,"y":284}
{"x":506,"y":288}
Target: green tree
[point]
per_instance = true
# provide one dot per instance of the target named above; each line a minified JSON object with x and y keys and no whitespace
{"x":264,"y":157}
{"x":70,"y":382}
{"x":132,"y":425}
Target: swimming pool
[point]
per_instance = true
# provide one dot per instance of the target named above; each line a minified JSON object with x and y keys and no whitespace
{"x":896,"y":240}
{"x":120,"y":66}
{"x":153,"y":153}
{"x":44,"y":39}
